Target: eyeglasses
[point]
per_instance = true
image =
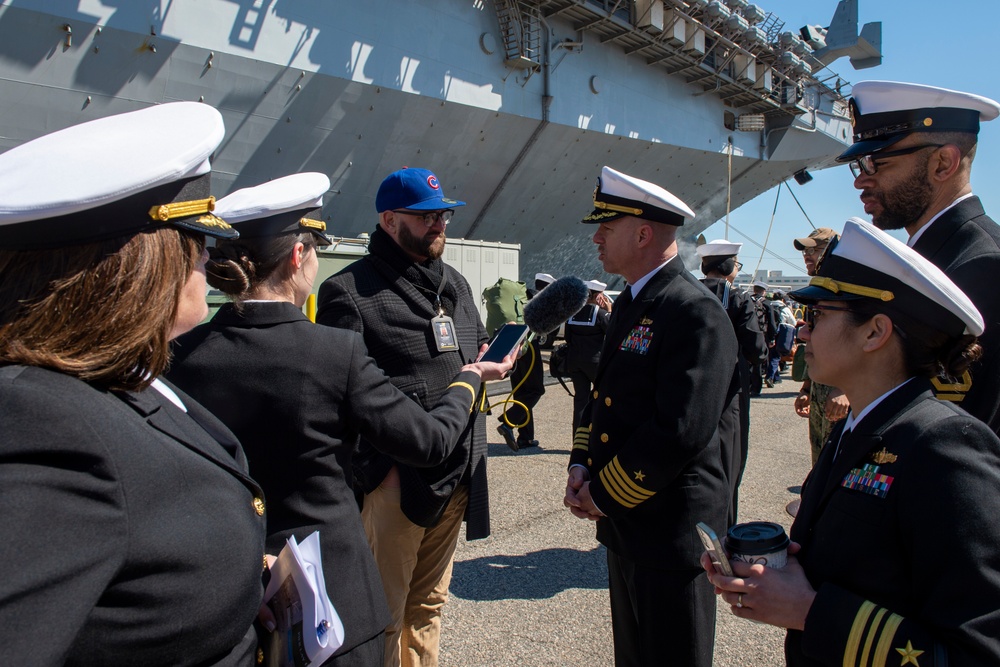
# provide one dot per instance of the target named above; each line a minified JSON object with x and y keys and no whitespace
{"x":817,"y":250}
{"x":812,"y":314}
{"x":739,"y":266}
{"x":430,"y":217}
{"x":867,"y":163}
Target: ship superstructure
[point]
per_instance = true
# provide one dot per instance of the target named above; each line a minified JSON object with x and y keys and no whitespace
{"x":514,"y":104}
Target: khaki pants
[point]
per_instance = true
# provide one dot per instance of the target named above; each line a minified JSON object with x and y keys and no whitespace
{"x":415,"y":564}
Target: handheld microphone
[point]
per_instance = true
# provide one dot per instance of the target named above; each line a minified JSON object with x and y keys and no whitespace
{"x":555,"y":304}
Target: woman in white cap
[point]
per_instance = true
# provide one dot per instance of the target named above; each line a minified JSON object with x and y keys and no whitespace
{"x":895,"y":543}
{"x":132,"y":532}
{"x":298,"y":395}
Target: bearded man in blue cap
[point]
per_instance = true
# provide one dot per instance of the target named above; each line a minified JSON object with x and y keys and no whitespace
{"x":421,"y":324}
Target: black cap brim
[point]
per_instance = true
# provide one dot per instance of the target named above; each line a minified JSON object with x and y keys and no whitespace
{"x":869,"y":146}
{"x":813,"y":293}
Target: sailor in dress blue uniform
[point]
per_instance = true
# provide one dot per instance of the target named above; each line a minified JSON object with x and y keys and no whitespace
{"x":132,"y":532}
{"x":646,"y":461}
{"x":895,"y":543}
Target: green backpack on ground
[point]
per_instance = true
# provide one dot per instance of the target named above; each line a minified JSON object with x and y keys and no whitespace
{"x":505,"y":302}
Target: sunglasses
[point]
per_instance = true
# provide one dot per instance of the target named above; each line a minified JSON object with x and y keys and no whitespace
{"x":818,"y":250}
{"x":812,"y":313}
{"x":867,"y":163}
{"x":430,"y":217}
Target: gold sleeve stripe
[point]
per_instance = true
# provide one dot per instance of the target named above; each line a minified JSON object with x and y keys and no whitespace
{"x":616,"y":492}
{"x":872,"y":633}
{"x":885,"y":639}
{"x":579,"y":446}
{"x":619,"y":472}
{"x":857,"y":630}
{"x":582,"y":438}
{"x":471,"y":391}
{"x":620,"y":487}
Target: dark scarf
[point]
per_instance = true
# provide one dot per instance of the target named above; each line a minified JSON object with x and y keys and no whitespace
{"x":425,"y":276}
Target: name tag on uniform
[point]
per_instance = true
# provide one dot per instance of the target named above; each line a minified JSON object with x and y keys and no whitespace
{"x":443,"y":328}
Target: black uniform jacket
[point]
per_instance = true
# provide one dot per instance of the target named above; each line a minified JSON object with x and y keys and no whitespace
{"x":584,"y":339}
{"x":965,"y":243}
{"x":900,"y":538}
{"x":653,"y":445}
{"x":131,"y":533}
{"x":394,"y":318}
{"x":740,"y":308}
{"x":297,"y":395}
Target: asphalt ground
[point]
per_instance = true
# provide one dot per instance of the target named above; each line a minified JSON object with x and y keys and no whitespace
{"x":535,"y":592}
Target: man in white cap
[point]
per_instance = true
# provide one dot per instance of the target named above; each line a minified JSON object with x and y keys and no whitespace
{"x":521,"y":415}
{"x":585,"y":333}
{"x":720,"y":265}
{"x":912,"y":160}
{"x":646,"y":460}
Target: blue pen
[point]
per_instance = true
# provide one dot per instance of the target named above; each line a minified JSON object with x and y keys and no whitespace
{"x":322,"y":629}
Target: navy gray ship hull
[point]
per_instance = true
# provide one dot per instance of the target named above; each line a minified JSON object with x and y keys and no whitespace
{"x":359,"y":89}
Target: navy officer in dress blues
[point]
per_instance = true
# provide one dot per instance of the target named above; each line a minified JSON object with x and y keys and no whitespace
{"x":895,"y":544}
{"x":132,"y":530}
{"x":912,"y":160}
{"x":646,"y":461}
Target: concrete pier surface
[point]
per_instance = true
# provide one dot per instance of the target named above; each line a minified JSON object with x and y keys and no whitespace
{"x":535,"y":592}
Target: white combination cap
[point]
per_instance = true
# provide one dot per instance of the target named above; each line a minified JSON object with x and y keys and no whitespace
{"x":760,"y":283}
{"x":618,"y":195}
{"x":285,"y":205}
{"x":867,"y":263}
{"x":883,"y":112}
{"x":113,"y":177}
{"x":719,"y":248}
{"x":595,"y":285}
{"x":545,"y":277}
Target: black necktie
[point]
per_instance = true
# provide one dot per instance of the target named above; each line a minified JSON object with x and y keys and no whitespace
{"x":625,"y":299}
{"x":618,"y":309}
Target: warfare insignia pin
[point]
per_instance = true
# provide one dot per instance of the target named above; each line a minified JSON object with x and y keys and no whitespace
{"x":883,"y":457}
{"x":645,"y":321}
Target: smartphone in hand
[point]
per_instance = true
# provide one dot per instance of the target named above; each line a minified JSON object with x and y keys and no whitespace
{"x":508,"y":339}
{"x":714,"y":549}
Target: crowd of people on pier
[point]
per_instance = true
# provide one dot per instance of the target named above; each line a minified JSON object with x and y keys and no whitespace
{"x":153,"y":464}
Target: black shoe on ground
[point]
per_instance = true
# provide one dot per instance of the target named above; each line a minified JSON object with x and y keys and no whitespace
{"x":508,"y":436}
{"x":525,"y":444}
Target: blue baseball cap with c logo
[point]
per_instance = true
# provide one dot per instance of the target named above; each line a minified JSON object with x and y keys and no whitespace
{"x":412,"y":189}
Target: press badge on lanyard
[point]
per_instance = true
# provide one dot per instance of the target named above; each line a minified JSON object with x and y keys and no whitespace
{"x":444,"y":332}
{"x":442,"y":326}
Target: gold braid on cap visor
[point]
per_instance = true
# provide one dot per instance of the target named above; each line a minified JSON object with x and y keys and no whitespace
{"x":617,"y":209}
{"x":185,"y":209}
{"x":309,"y":223}
{"x":837,"y":287}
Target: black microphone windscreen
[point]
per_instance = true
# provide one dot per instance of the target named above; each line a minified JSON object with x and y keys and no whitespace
{"x":555,"y":304}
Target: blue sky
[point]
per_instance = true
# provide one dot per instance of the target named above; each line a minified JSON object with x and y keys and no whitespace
{"x":950,"y":44}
